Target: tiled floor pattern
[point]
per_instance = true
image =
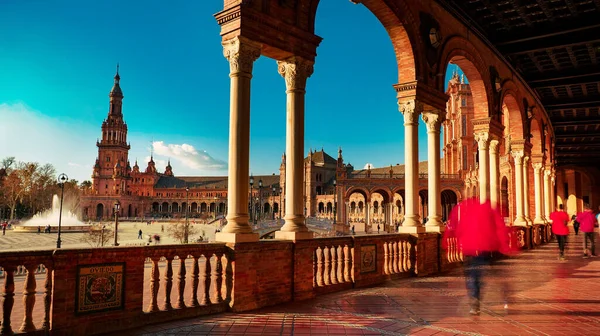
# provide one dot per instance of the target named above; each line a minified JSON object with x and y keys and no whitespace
{"x":546,"y":297}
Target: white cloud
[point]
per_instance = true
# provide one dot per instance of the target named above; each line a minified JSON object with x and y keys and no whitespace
{"x":368,"y":165}
{"x":188,"y":156}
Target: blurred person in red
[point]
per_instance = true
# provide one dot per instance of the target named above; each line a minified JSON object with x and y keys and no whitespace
{"x":587,"y":220}
{"x":480,"y":231}
{"x":559,"y":220}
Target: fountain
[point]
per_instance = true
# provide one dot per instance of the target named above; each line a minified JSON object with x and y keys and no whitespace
{"x":69,"y":221}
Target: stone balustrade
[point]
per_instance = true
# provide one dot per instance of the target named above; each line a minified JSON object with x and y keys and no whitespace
{"x":167,"y":282}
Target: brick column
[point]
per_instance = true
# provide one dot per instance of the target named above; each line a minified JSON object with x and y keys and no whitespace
{"x":411,"y":110}
{"x":296,"y":71}
{"x":241,"y":54}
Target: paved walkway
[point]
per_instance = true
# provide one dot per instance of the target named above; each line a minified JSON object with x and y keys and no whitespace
{"x":547,"y":297}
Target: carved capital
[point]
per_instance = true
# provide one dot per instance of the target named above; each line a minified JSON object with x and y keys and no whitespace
{"x":494,"y":146}
{"x":411,"y":110}
{"x":547,"y":173}
{"x":433,"y":120}
{"x":537,"y":167}
{"x":518,"y":156}
{"x":241,"y":54}
{"x":295,"y":70}
{"x":525,"y":160}
{"x":483,"y":140}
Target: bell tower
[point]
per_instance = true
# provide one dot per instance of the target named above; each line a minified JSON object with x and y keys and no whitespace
{"x":111,"y":168}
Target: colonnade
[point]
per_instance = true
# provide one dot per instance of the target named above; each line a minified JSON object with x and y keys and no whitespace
{"x":524,"y":161}
{"x":241,"y":54}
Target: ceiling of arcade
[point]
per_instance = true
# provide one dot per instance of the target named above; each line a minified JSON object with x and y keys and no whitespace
{"x":555,"y":46}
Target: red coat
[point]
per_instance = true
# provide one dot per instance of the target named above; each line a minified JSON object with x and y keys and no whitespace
{"x":559,"y":223}
{"x":478,"y":228}
{"x":587,"y":221}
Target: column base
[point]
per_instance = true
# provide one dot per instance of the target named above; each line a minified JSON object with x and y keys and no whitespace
{"x":411,"y":229}
{"x":520,"y":222}
{"x":287,"y":235}
{"x":228,"y":237}
{"x":411,"y":221}
{"x":539,"y":221}
{"x":436,"y":229}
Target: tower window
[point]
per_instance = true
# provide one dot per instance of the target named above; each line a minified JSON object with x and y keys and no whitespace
{"x":463,"y":102}
{"x":464,"y":125}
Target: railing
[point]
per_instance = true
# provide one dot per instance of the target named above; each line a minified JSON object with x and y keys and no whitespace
{"x":397,"y":255}
{"x":363,"y":175}
{"x":453,"y":250}
{"x":333,"y":262}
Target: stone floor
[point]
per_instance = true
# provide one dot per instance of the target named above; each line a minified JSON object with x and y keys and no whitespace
{"x":546,"y":297}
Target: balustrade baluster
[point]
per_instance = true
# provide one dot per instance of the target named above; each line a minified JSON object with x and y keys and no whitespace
{"x":154,"y":285}
{"x":396,"y":258}
{"x":333,"y":265}
{"x":340,"y":267}
{"x":218,"y":276}
{"x":353,"y":263}
{"x":47,"y":298}
{"x":29,"y":299}
{"x":347,"y":261}
{"x":206,"y":281}
{"x":402,"y":256}
{"x":319,"y":257}
{"x":407,"y":256}
{"x":386,"y":258}
{"x":195,"y":281}
{"x":327,"y":268}
{"x":168,"y":283}
{"x":181,"y":283}
{"x":8,"y":300}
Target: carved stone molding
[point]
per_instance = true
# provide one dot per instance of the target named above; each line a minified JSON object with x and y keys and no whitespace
{"x":411,"y":110}
{"x":433,"y":120}
{"x":295,"y":71}
{"x":494,"y":146}
{"x":241,"y":54}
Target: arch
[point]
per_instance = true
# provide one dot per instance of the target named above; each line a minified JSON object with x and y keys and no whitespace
{"x":165,"y":207}
{"x":321,"y":207}
{"x":99,"y":211}
{"x":194,"y":207}
{"x":352,"y":207}
{"x":266,"y":207}
{"x":275,"y":207}
{"x":329,"y":207}
{"x":537,"y":138}
{"x":449,"y":201}
{"x":423,"y":203}
{"x":460,"y":51}
{"x":203,"y":207}
{"x":384,"y":192}
{"x":401,"y":26}
{"x":155,"y":207}
{"x":511,"y":105}
{"x":359,"y":190}
{"x":175,"y":207}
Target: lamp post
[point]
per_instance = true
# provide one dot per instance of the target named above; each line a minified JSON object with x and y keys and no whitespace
{"x":334,"y":200}
{"x":186,"y":226}
{"x":260,"y":207}
{"x":280,"y":204}
{"x":273,"y":201}
{"x":117,"y":207}
{"x":62,"y":179}
{"x":251,"y":200}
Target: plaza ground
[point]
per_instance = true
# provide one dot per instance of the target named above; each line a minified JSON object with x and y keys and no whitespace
{"x":546,"y":297}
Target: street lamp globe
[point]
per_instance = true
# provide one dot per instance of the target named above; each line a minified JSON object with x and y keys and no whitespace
{"x":117,"y":206}
{"x":251,"y":180}
{"x":260,"y":183}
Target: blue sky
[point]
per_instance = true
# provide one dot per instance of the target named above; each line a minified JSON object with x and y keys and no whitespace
{"x":58,"y":58}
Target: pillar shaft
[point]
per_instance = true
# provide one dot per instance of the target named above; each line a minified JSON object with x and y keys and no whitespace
{"x":526,"y":189}
{"x":547,"y":173}
{"x":433,"y":120}
{"x":519,"y":218}
{"x":411,"y":110}
{"x":295,"y":71}
{"x":537,"y":183}
{"x":494,"y":173}
{"x":241,"y":55}
{"x":482,"y":145}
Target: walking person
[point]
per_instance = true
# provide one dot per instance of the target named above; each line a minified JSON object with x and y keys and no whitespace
{"x":480,"y":231}
{"x":559,"y":220}
{"x":140,"y":234}
{"x":575,"y":224}
{"x":587,"y":221}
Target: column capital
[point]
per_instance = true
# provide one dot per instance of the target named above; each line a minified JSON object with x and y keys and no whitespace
{"x":494,"y":146}
{"x":525,"y":159}
{"x":537,"y":166}
{"x":433,"y":119}
{"x":295,"y":70}
{"x":483,"y":140}
{"x":547,"y":173}
{"x":518,"y":156}
{"x":241,"y":54}
{"x":411,"y":110}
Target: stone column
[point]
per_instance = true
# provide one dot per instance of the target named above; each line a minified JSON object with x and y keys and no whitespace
{"x":547,"y":210}
{"x":296,"y":71}
{"x":537,"y":183}
{"x":482,"y":145}
{"x":519,"y":218}
{"x":553,"y":190}
{"x":411,"y":110}
{"x":526,"y":189}
{"x":367,"y":216}
{"x":494,"y":172}
{"x":241,"y":54}
{"x":433,"y":120}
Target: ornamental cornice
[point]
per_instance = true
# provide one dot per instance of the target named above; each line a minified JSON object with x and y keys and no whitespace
{"x":424,"y":93}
